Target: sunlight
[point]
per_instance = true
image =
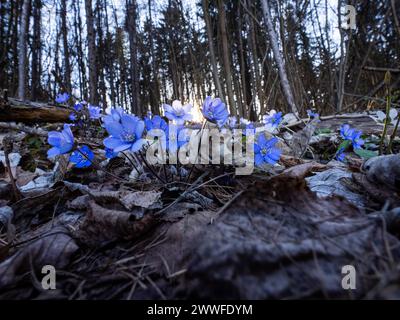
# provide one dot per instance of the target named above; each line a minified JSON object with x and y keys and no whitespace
{"x":196,"y":111}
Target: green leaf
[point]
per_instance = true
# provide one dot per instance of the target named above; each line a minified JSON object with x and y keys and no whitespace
{"x":366,"y":154}
{"x":323,"y":130}
{"x":344,"y":145}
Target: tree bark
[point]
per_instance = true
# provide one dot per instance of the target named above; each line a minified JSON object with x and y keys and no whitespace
{"x":22,"y":47}
{"x":64,"y":32}
{"x":226,"y":59}
{"x":131,"y":21}
{"x":36,"y":50}
{"x":213,"y":59}
{"x":287,"y":91}
{"x":16,"y":110}
{"x":93,"y":97}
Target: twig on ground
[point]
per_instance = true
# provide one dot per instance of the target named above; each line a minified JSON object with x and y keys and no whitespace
{"x":7,"y":142}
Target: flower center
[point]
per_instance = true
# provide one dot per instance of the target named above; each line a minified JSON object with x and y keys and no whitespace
{"x":263,"y":151}
{"x":128,"y":137}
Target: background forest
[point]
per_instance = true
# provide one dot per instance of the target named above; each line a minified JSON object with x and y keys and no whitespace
{"x":102,"y":198}
{"x":138,"y":54}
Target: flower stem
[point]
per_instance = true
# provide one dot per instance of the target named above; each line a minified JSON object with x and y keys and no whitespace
{"x":393,"y":136}
{"x":95,"y":164}
{"x":131,"y":161}
{"x":201,"y":135}
{"x":150,"y":168}
{"x":388,"y":104}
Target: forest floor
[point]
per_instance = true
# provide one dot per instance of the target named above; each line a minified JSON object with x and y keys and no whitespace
{"x":285,"y":234}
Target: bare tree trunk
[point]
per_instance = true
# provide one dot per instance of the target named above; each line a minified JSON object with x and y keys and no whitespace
{"x":80,"y":56}
{"x":287,"y":91}
{"x":155,"y":88}
{"x":131,"y":21}
{"x":93,"y":98}
{"x":225,"y":54}
{"x":396,"y":19}
{"x":14,"y":45}
{"x":36,"y":50}
{"x":340,"y":83}
{"x":213,"y":61}
{"x":22,"y":47}
{"x":64,"y":32}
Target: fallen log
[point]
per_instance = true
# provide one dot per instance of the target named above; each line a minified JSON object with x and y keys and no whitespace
{"x":15,"y":110}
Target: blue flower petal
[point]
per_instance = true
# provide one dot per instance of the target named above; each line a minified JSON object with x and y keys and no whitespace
{"x":112,"y":142}
{"x":51,"y":153}
{"x":115,"y":129}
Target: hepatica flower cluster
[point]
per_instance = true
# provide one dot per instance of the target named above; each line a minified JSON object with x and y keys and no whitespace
{"x":351,"y":139}
{"x":126,"y":133}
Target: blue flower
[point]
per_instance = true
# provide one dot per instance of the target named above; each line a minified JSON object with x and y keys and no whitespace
{"x":155,"y":123}
{"x":78,"y":106}
{"x":214,"y":110}
{"x":62,"y":97}
{"x":62,"y":142}
{"x":176,"y":137}
{"x":265,"y":151}
{"x":312,"y":114}
{"x":82,"y":157}
{"x":178,"y":113}
{"x":114,"y":116}
{"x":94,"y":112}
{"x":346,"y":132}
{"x":340,"y":155}
{"x":352,"y":135}
{"x":72,"y":116}
{"x":273,"y":119}
{"x":125,"y":135}
{"x":110,"y":154}
{"x":356,"y":140}
{"x":249,"y":126}
{"x":232,"y":122}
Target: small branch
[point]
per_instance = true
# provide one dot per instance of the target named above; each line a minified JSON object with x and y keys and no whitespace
{"x":23,"y":128}
{"x":377,"y":69}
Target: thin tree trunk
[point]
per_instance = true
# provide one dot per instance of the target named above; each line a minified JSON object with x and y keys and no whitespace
{"x":22,"y":47}
{"x":64,"y":32}
{"x":213,"y":59}
{"x":93,"y":98}
{"x":226,"y":54}
{"x":80,"y":57}
{"x":36,"y":50}
{"x":131,"y":21}
{"x":155,"y":89}
{"x":287,"y":91}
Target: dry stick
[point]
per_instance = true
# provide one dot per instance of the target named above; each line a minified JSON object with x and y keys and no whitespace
{"x":20,"y":127}
{"x":192,"y":188}
{"x":388,"y":101}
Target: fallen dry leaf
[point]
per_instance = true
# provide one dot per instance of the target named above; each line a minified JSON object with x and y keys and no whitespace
{"x":101,"y":225}
{"x":54,"y":248}
{"x":279,"y":240}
